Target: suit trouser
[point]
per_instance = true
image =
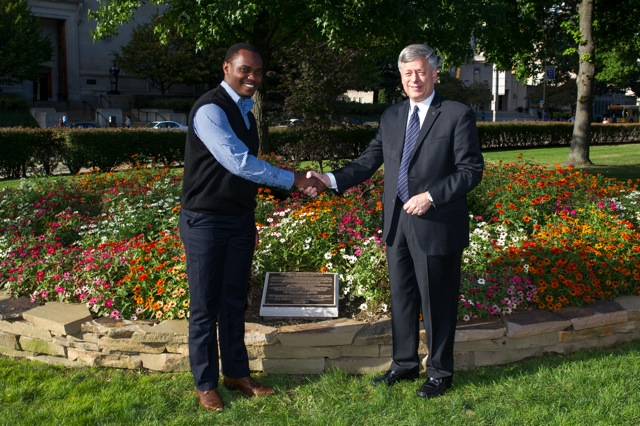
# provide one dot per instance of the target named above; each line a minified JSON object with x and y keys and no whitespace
{"x":219,"y":252}
{"x":428,"y":282}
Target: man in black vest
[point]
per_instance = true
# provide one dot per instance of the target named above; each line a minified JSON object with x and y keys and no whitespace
{"x":217,"y":224}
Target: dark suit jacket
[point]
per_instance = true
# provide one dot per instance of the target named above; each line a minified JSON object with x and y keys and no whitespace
{"x":447,"y":162}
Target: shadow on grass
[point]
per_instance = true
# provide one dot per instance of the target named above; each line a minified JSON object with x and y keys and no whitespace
{"x":624,"y":172}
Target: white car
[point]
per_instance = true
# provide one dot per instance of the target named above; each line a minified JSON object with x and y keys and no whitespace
{"x":172,"y":125}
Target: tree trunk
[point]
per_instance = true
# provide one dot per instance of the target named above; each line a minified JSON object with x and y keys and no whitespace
{"x":581,"y":138}
{"x":261,"y":118}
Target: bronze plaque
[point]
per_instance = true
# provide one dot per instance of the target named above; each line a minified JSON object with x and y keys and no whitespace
{"x":300,"y":294}
{"x":300,"y":289}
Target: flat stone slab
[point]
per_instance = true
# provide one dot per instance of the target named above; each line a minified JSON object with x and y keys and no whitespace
{"x":631,"y":304}
{"x":530,"y":323}
{"x":599,"y":314}
{"x":115,"y":328}
{"x":63,"y":318}
{"x":13,"y":308}
{"x":379,"y":332}
{"x":324,"y":333}
{"x":479,"y":330}
{"x":259,"y":334}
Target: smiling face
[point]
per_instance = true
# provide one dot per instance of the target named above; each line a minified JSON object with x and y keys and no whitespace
{"x":244,"y":73}
{"x":418,"y":79}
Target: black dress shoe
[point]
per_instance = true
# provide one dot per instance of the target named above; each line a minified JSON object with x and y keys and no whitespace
{"x":392,"y":377}
{"x":434,"y":387}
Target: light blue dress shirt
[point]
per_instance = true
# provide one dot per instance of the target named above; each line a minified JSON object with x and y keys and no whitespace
{"x":212,"y":126}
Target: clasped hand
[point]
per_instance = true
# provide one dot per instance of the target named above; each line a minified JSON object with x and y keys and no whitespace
{"x":310,"y":183}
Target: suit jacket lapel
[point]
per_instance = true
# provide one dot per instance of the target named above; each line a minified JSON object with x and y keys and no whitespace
{"x":402,"y":129}
{"x":429,"y":120}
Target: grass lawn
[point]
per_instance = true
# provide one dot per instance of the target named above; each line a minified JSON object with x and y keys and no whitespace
{"x":590,"y":388}
{"x":619,"y":161}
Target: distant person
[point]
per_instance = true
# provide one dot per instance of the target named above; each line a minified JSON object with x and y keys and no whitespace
{"x":65,"y":120}
{"x":127,"y":122}
{"x":60,"y":122}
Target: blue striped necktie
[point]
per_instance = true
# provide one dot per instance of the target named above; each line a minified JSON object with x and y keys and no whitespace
{"x":409,"y":143}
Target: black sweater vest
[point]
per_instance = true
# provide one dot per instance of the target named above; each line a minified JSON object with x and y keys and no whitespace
{"x":207,"y":186}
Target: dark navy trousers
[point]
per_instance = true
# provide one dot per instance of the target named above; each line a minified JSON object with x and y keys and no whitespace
{"x":219,"y":251}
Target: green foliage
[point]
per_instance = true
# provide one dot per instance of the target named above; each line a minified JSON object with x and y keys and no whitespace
{"x":22,"y":47}
{"x":314,"y":77}
{"x":107,"y":149}
{"x":21,"y":149}
{"x":332,"y":145}
{"x":163,"y":60}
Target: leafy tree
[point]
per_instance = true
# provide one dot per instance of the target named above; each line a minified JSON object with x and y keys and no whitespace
{"x":527,"y":35}
{"x":479,"y":95}
{"x":382,"y":26}
{"x":22,"y":47}
{"x":161,"y":64}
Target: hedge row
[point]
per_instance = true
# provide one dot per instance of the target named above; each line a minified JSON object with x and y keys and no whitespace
{"x":24,"y":151}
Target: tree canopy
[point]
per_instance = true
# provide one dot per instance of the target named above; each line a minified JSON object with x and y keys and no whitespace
{"x":518,"y":35}
{"x":381,"y":26}
{"x":23,"y":49}
{"x":162,"y":64}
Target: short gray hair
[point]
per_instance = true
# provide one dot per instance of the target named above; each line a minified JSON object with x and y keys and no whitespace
{"x":416,"y":51}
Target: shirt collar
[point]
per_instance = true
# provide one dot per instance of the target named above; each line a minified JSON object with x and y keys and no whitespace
{"x":424,"y":105}
{"x":245,"y":104}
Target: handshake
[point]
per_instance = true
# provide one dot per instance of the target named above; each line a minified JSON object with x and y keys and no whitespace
{"x":312,"y":183}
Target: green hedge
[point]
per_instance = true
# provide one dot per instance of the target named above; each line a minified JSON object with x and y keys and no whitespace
{"x":526,"y":134}
{"x":25,"y":150}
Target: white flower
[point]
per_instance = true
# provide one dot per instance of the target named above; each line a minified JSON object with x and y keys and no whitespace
{"x":363,"y":307}
{"x":328,"y":255}
{"x":481,"y":281}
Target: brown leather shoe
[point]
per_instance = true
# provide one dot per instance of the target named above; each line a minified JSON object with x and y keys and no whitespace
{"x":247,"y":386}
{"x":210,"y":400}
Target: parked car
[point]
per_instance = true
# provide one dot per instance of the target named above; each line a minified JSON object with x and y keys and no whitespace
{"x":83,"y":125}
{"x":358,"y":122}
{"x":171,"y":125}
{"x":291,"y":122}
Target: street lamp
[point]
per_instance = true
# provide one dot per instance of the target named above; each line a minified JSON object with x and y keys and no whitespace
{"x":114,"y":71}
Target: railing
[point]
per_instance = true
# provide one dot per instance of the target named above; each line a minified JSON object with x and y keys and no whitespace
{"x":104,"y":98}
{"x":99,"y":114}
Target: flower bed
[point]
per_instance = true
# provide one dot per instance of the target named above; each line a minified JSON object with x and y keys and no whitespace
{"x":540,"y":238}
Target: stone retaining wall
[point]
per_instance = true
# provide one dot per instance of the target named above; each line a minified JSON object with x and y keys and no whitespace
{"x":66,"y":334}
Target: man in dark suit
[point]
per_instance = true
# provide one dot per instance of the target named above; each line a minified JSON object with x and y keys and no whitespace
{"x":431,"y":155}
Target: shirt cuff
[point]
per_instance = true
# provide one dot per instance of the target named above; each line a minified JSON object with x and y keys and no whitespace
{"x":332,"y":178}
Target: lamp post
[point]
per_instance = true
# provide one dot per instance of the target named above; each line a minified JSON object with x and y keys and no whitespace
{"x":114,"y":71}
